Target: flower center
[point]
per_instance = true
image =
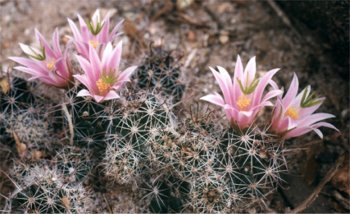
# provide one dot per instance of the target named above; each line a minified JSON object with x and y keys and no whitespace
{"x":243,"y":102}
{"x":50,"y":65}
{"x":93,"y":43}
{"x":103,"y":86}
{"x":292,"y":113}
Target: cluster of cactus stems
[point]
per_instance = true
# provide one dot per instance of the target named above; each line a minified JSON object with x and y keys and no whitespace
{"x":41,"y":189}
{"x":173,"y":162}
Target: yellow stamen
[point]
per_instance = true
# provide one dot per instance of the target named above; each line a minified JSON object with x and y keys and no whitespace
{"x":50,"y":65}
{"x":102,"y":86}
{"x":93,"y":43}
{"x":292,"y":113}
{"x":243,"y":102}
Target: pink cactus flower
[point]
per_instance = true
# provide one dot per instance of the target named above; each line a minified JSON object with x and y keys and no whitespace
{"x":243,"y":97}
{"x":103,"y":77}
{"x":294,"y":115}
{"x":48,"y":64}
{"x":95,"y":33}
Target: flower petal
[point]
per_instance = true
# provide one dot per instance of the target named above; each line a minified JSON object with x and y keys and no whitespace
{"x":223,"y":85}
{"x":114,"y":33}
{"x":84,"y":93}
{"x":107,"y":52}
{"x":111,"y":95}
{"x":216,"y":99}
{"x":298,"y":132}
{"x":238,"y":69}
{"x":85,"y":33}
{"x":114,"y":58}
{"x":262,"y":85}
{"x":238,"y":75}
{"x":310,"y":110}
{"x":95,"y":63}
{"x":49,"y":52}
{"x":62,"y":69}
{"x":76,"y":33}
{"x":29,"y":50}
{"x":301,"y":130}
{"x":126,"y":74}
{"x":311,"y":119}
{"x":228,"y":81}
{"x":325,"y":124}
{"x":56,"y":43}
{"x":37,"y":65}
{"x":271,"y":94}
{"x":98,"y":98}
{"x":292,"y":91}
{"x":250,"y":70}
{"x":103,"y":35}
{"x":30,"y":71}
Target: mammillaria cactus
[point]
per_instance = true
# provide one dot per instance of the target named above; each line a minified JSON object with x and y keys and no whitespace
{"x":124,"y":123}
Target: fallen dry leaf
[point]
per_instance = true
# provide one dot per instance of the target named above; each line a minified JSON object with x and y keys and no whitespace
{"x":37,"y":155}
{"x":5,"y":84}
{"x":65,"y":202}
{"x":21,"y":147}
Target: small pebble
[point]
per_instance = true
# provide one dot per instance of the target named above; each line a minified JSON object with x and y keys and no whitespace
{"x":224,"y":37}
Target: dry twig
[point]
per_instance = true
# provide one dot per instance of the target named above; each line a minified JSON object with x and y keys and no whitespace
{"x":20,"y":147}
{"x":343,"y":201}
{"x":283,"y":16}
{"x":70,"y":123}
{"x":309,"y":200}
{"x":108,"y":204}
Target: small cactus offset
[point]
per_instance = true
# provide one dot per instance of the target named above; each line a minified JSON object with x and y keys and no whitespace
{"x":119,"y":129}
